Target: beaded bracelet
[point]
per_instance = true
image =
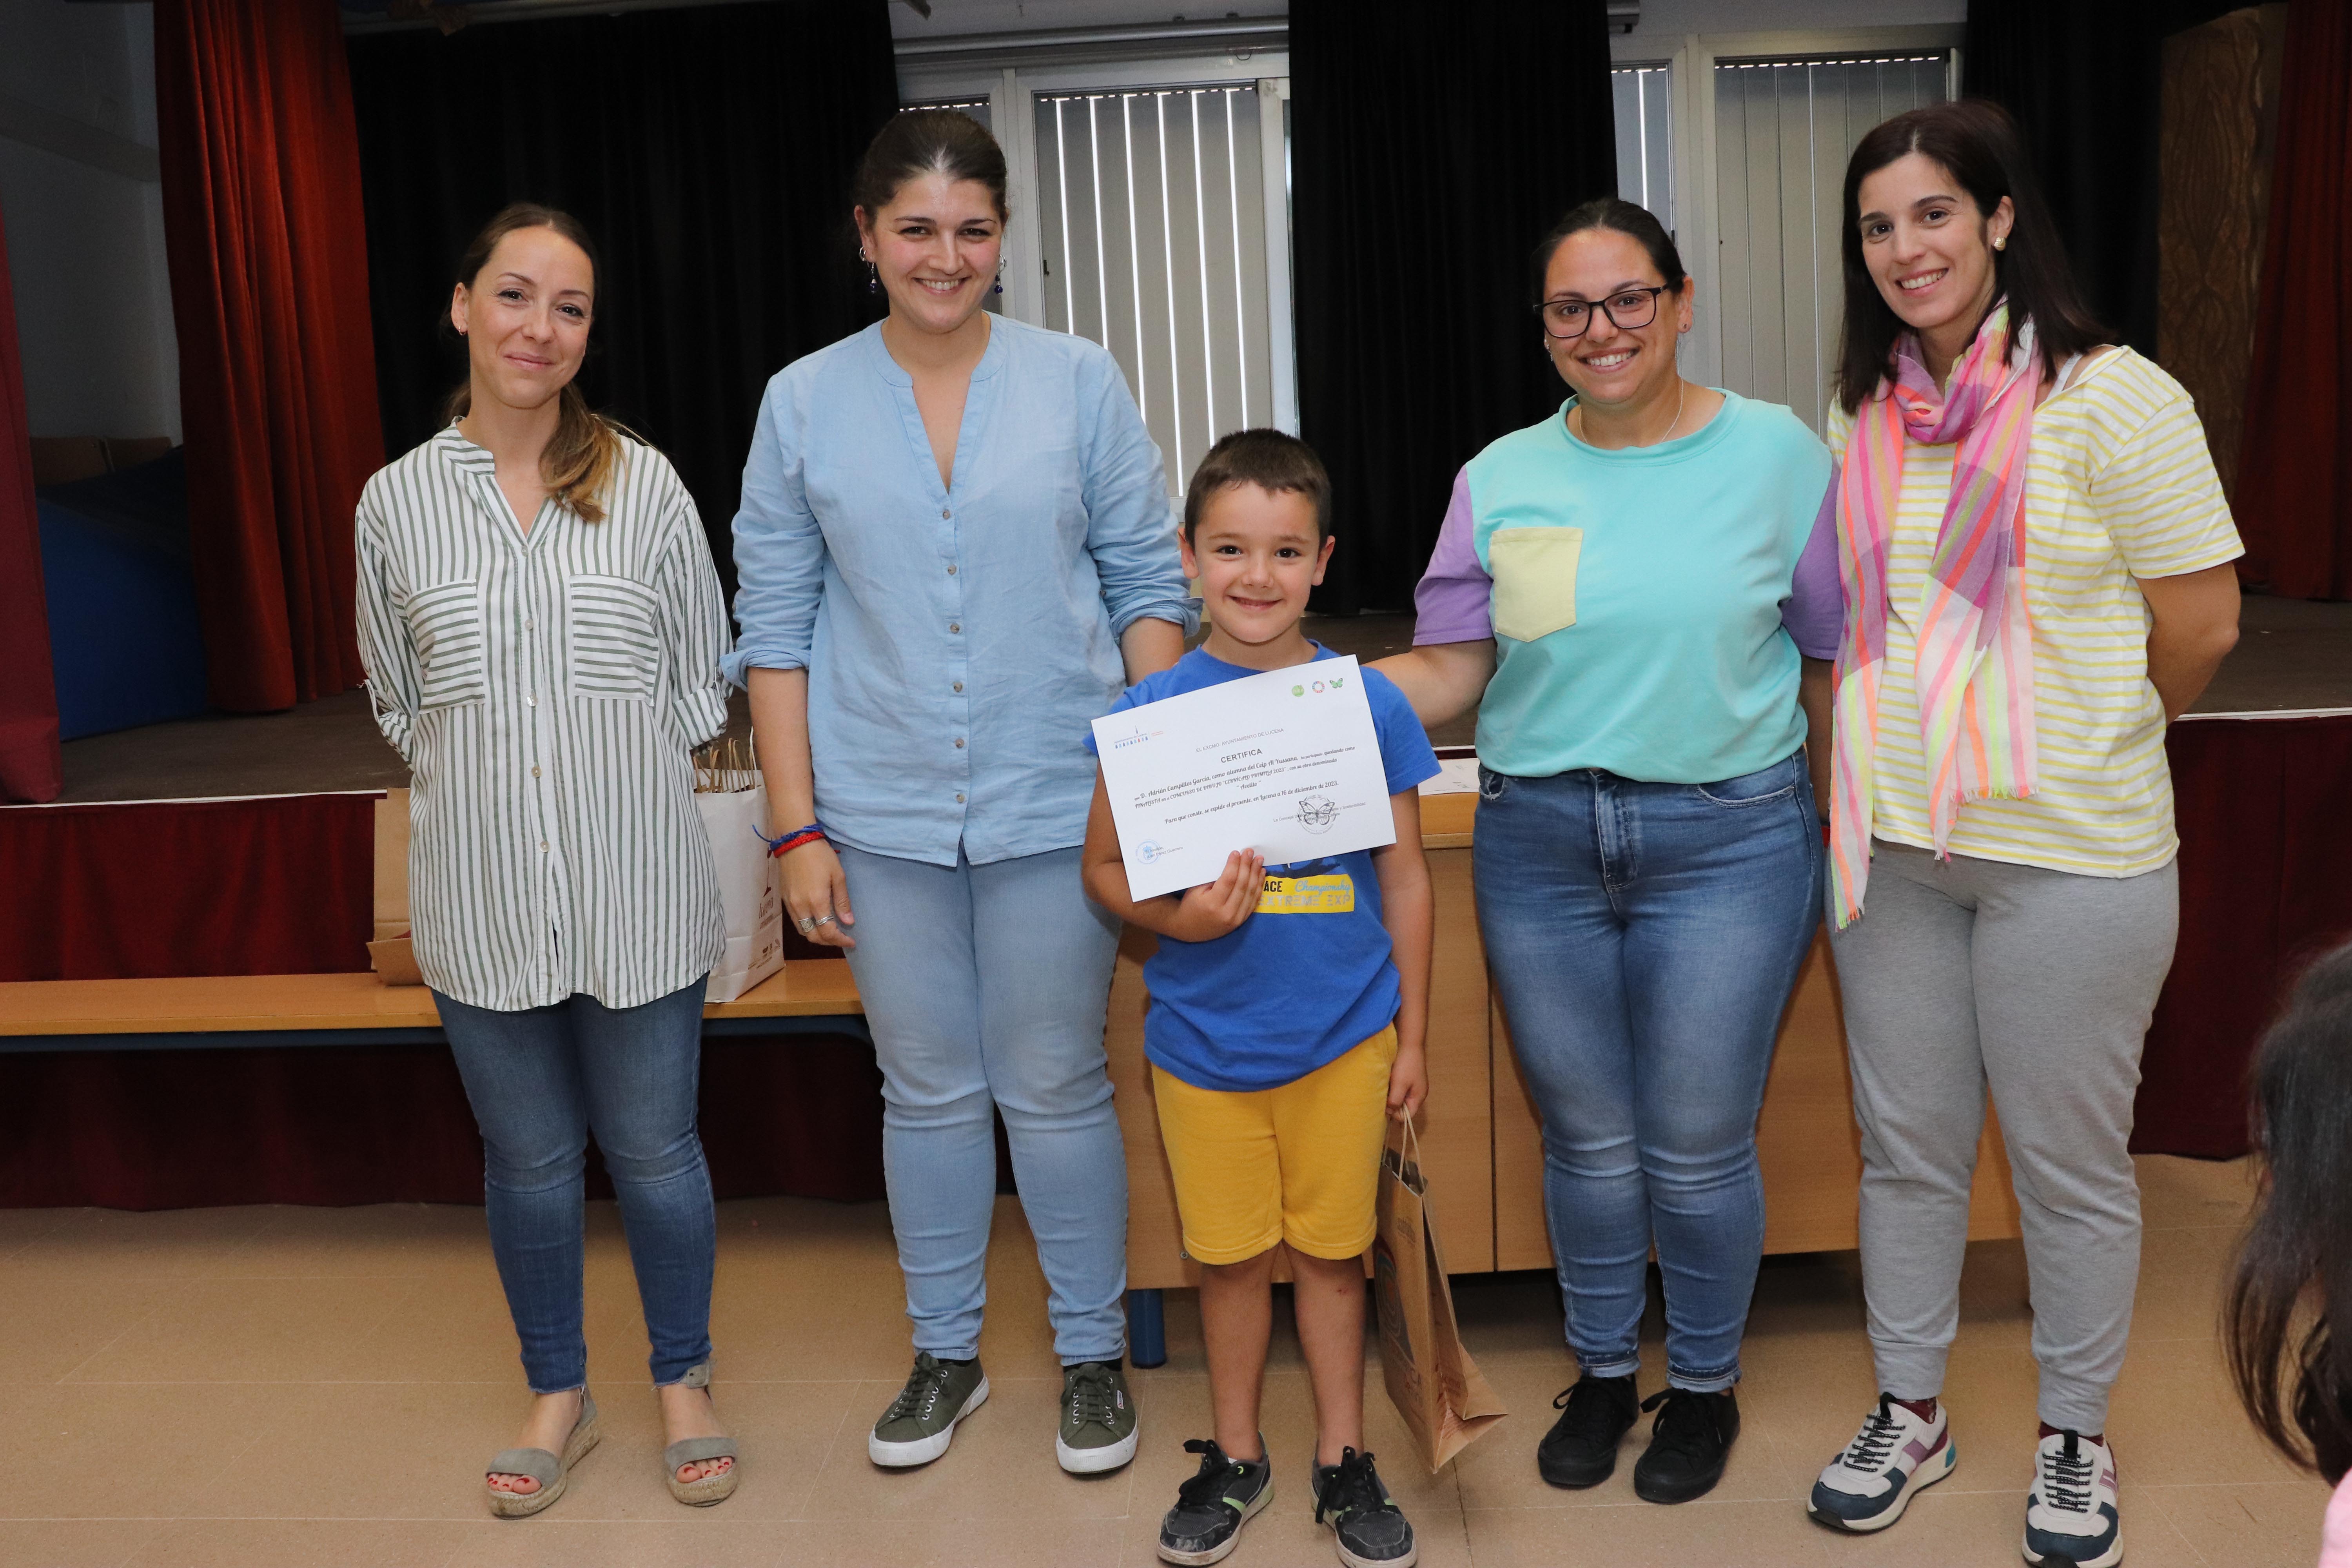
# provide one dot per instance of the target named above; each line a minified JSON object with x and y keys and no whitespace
{"x":790,"y":841}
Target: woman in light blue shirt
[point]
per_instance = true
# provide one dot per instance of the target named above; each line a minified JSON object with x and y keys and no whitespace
{"x":955,"y":550}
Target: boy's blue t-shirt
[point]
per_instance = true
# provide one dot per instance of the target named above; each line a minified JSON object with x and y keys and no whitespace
{"x":1308,"y":976}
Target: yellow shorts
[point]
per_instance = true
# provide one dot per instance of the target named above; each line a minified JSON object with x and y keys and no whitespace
{"x":1299,"y":1163}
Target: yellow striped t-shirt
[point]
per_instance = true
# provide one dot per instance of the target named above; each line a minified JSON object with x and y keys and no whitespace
{"x":2118,"y":485}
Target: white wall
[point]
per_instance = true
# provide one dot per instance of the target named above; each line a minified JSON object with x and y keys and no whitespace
{"x":85,"y":218}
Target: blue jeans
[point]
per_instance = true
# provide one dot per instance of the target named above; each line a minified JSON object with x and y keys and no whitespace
{"x":1643,"y":939}
{"x":986,"y":988}
{"x":540,"y":1081}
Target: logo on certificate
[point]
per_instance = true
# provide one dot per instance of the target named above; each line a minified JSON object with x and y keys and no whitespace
{"x":1317,"y":813}
{"x":1149,"y":850}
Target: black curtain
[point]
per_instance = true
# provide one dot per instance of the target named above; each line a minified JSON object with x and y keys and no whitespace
{"x":708,"y":150}
{"x":2086,"y":80}
{"x":1431,"y":147}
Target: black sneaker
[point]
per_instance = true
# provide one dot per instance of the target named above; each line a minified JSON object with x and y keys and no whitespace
{"x":1206,"y":1525}
{"x":1580,"y":1449}
{"x":1369,"y":1528}
{"x":1689,"y":1442}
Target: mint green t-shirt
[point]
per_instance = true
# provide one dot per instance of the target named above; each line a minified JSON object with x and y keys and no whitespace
{"x":1641,"y":599}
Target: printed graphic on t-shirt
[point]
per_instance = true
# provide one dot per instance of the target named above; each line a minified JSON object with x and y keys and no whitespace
{"x":1333,"y":894}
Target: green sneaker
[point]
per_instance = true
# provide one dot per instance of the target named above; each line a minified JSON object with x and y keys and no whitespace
{"x":1098,"y":1418}
{"x":922,"y":1422}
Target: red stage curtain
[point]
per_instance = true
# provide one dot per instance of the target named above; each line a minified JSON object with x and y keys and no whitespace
{"x":2265,"y":885}
{"x":29,"y":765}
{"x":281,"y":885}
{"x":268,"y":246}
{"x":2293,"y":499}
{"x":285,"y":885}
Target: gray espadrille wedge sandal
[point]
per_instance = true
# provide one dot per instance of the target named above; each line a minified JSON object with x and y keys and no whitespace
{"x":553,"y":1472}
{"x":709,"y":1490}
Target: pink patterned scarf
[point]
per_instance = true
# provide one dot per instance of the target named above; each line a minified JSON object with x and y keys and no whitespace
{"x":1974,"y":671}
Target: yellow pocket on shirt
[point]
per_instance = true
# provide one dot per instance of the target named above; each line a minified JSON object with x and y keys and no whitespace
{"x":1534,"y":570}
{"x":1331,"y":894}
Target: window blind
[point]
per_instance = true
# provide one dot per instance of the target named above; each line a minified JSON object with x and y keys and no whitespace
{"x":1152,"y":225}
{"x":1645,"y":120}
{"x":1784,"y":129}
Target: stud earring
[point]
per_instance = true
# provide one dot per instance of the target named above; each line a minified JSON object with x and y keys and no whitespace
{"x":2000,"y":242}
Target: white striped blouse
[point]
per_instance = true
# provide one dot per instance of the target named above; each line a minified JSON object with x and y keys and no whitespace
{"x":547,"y":690}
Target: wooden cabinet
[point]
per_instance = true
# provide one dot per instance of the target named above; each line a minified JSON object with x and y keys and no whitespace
{"x":1481,"y":1144}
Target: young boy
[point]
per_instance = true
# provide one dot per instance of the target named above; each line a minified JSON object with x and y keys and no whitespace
{"x":1288,"y":1010}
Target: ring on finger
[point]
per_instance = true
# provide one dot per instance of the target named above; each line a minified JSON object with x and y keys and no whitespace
{"x":806,"y":925}
{"x":820,"y":921}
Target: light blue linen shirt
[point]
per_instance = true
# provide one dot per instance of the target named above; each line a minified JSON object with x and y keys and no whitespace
{"x":958,"y":639}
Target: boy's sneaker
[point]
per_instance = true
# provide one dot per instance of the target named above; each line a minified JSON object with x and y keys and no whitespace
{"x":922,"y":1422}
{"x":1368,"y":1527}
{"x":2070,"y":1516}
{"x":1690,"y":1442}
{"x":1098,"y":1418}
{"x":1580,"y":1449}
{"x":1211,"y":1508}
{"x":1896,"y":1452}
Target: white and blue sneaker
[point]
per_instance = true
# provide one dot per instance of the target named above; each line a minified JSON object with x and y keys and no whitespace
{"x":2071,"y":1517}
{"x":1896,"y":1452}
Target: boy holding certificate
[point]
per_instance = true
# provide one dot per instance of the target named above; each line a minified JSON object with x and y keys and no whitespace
{"x":1287,"y":1009}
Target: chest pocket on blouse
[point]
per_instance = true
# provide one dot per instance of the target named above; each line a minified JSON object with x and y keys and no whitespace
{"x":615,"y":638}
{"x":446,"y":622}
{"x":1534,"y":570}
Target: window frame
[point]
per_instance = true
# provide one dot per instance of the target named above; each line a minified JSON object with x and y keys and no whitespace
{"x":1691,"y":160}
{"x":1013,"y":91}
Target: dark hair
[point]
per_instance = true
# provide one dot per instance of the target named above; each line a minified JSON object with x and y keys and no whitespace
{"x":1980,"y":145}
{"x":1609,"y":212}
{"x":1270,"y":459}
{"x":2287,"y":1320}
{"x":581,"y":455}
{"x":928,"y":141}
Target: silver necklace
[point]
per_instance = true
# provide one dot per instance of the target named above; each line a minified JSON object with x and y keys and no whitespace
{"x":1682,"y":390}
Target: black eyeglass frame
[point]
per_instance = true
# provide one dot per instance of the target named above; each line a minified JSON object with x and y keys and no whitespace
{"x":1602,"y":306}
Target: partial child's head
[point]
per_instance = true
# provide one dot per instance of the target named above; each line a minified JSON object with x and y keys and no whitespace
{"x":2288,"y":1316}
{"x":1257,"y":531}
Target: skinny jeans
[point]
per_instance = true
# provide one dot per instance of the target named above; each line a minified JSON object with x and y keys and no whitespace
{"x":540,"y":1080}
{"x":1643,"y":939}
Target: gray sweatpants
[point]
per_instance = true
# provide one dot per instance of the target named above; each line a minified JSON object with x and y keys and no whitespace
{"x":2042,"y":983}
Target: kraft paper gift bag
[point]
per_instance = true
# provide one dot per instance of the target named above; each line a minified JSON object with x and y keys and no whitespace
{"x":734,"y":807}
{"x":1436,"y":1387}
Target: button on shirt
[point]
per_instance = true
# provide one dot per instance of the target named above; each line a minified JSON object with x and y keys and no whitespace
{"x":957,"y":640}
{"x":554,"y":846}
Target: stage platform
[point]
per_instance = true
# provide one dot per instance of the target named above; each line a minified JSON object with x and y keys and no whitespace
{"x":2294,"y":656}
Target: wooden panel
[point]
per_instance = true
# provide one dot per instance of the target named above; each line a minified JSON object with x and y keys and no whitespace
{"x":238,"y":1002}
{"x":392,"y":865}
{"x":1805,"y":1140}
{"x":1457,"y":1123}
{"x":1455,"y":1128}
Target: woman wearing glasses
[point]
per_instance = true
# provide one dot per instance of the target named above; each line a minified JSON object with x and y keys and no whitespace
{"x":1637,"y":594}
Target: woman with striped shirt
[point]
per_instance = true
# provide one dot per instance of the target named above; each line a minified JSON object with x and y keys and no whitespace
{"x":542,"y":628}
{"x":2035,"y":554}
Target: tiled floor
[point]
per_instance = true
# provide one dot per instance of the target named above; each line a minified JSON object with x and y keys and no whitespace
{"x":271,"y":1386}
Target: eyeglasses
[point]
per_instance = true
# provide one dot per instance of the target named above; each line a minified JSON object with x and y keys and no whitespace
{"x":1627,"y":308}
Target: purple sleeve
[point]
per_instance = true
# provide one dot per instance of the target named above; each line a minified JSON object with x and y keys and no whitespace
{"x":1815,"y":611}
{"x":1455,"y":600}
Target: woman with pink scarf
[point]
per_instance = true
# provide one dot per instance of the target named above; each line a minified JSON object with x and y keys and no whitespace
{"x":2035,"y":553}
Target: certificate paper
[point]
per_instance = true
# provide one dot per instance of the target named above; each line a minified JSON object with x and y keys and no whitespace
{"x":1286,"y":763}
